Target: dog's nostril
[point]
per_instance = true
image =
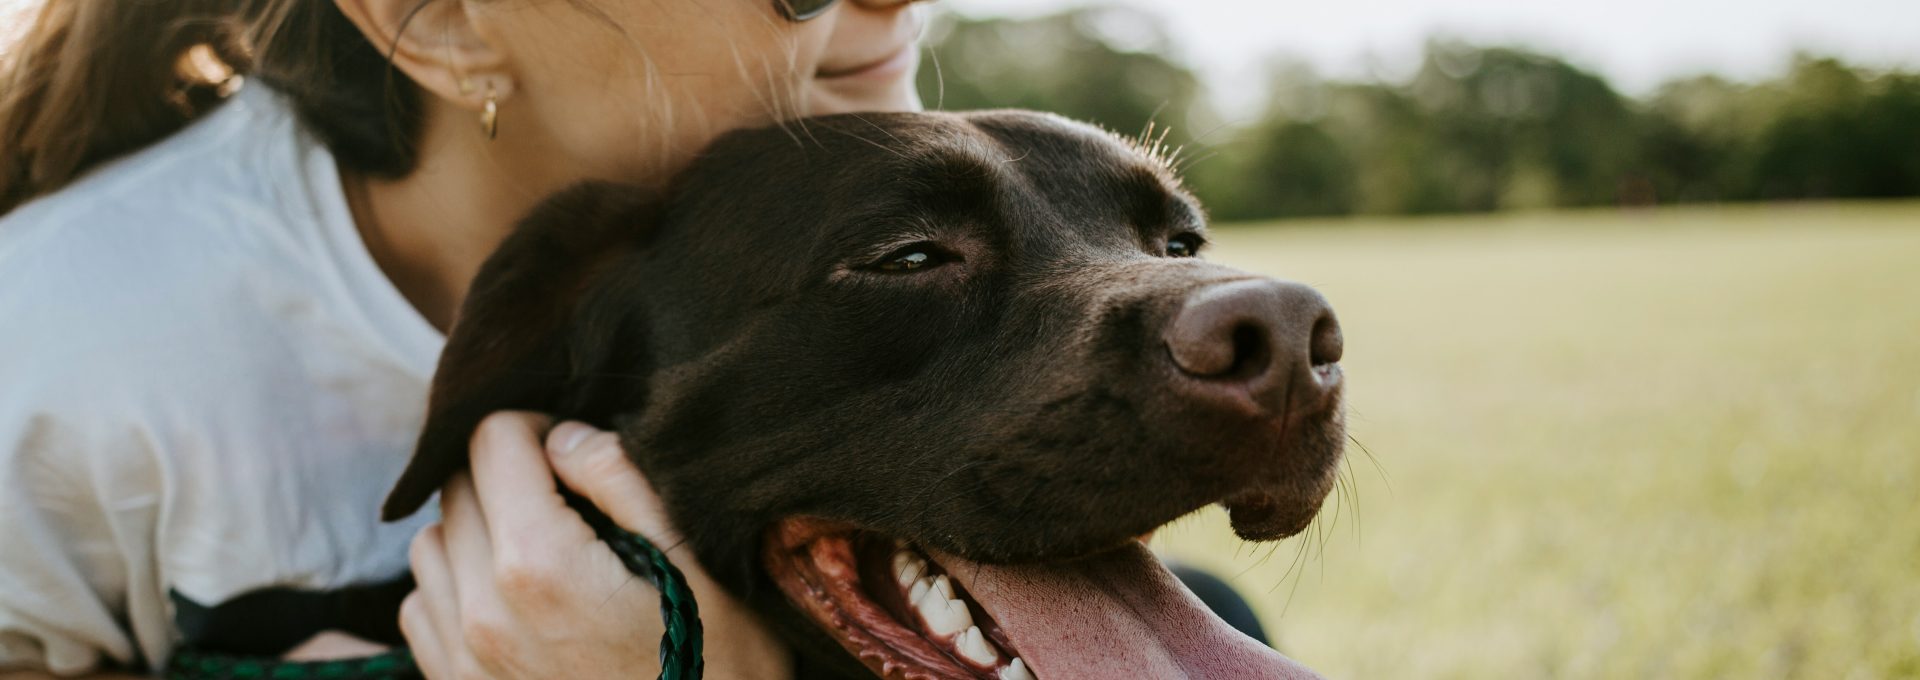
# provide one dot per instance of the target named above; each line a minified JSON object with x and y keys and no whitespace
{"x":1249,"y":350}
{"x":1235,"y":331}
{"x":1217,"y":339}
{"x":1326,"y":345}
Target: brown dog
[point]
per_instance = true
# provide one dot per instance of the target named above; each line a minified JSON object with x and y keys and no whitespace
{"x":912,"y":383}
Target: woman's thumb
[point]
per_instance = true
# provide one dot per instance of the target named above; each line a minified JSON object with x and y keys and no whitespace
{"x":591,"y":463}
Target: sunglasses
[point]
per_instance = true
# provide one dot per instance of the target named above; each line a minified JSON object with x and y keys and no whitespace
{"x":802,"y":10}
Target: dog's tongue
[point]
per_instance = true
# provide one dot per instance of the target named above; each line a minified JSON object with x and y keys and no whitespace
{"x":1115,"y":615}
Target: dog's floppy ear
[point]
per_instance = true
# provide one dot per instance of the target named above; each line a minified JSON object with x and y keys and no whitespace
{"x":513,"y":346}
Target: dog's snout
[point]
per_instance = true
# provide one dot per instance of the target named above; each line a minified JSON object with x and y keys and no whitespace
{"x":1266,"y":339}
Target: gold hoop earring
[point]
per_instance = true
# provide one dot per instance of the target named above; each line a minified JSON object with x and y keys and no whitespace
{"x":490,"y":115}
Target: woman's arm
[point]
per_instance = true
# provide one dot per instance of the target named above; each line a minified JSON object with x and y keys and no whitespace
{"x":513,"y":584}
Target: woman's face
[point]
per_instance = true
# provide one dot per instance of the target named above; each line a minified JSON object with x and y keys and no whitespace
{"x":630,"y":89}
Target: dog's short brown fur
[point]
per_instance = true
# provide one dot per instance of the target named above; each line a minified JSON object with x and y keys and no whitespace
{"x":754,"y":338}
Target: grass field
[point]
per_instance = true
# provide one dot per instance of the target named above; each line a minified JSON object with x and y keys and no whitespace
{"x":1671,"y":444}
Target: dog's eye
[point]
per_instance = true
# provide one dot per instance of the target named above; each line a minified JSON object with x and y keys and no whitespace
{"x":1184,"y":245}
{"x":914,"y":257}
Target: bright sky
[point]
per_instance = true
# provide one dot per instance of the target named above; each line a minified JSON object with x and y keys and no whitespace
{"x":1635,"y":43}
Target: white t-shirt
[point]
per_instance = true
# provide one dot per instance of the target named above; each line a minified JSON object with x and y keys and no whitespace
{"x":206,"y":388}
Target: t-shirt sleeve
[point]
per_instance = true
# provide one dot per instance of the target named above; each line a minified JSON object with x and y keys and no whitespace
{"x":64,"y":566}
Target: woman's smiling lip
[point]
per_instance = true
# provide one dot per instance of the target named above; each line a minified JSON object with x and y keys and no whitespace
{"x":890,"y":66}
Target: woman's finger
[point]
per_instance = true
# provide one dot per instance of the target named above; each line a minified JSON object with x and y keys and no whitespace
{"x":434,"y":587}
{"x":515,"y":487}
{"x":424,"y":640}
{"x":469,"y":550}
{"x":592,"y":463}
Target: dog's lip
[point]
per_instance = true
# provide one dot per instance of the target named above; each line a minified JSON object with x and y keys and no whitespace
{"x":1262,"y":515}
{"x":818,"y":564}
{"x":796,"y":533}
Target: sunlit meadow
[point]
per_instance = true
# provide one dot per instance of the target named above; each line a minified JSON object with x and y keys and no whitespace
{"x":1646,"y":444}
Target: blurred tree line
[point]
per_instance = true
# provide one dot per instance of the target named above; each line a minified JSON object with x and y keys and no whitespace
{"x":1475,"y":129}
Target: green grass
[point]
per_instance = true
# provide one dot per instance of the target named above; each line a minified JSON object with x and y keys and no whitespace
{"x":1670,"y":444}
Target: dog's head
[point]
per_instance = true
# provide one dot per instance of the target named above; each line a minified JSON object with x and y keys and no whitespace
{"x":900,"y":377}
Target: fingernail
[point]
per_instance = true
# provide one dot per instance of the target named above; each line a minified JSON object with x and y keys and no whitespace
{"x":567,"y":436}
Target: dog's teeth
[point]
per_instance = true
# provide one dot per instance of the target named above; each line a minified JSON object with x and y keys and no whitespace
{"x":953,"y":618}
{"x":1016,"y":671}
{"x":940,"y":583}
{"x":908,"y":568}
{"x":918,"y":591}
{"x":973,"y":645}
{"x":945,"y":618}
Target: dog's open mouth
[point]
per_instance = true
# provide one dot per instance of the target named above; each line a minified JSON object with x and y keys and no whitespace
{"x":909,"y":613}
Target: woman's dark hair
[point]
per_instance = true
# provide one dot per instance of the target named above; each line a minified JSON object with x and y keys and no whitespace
{"x":90,"y":80}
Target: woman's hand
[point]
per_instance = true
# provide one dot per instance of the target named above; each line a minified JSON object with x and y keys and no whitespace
{"x":513,"y":584}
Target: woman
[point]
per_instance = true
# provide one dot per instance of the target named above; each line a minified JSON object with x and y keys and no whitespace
{"x":222,"y":309}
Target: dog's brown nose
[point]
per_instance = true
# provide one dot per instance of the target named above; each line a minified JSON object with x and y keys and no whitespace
{"x":1266,"y":340}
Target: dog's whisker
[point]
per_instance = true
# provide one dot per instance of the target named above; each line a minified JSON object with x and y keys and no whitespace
{"x":1252,"y":549}
{"x":1359,"y":520}
{"x":1324,"y":532}
{"x":1339,"y":509}
{"x":616,"y":590}
{"x":1299,"y":564}
{"x":1146,"y":131}
{"x":676,"y":545}
{"x":1189,"y":162}
{"x":1378,"y":468}
{"x":1298,"y":550}
{"x":925,"y":507}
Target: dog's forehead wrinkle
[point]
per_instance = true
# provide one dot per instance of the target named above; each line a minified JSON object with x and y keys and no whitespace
{"x":1058,"y":184}
{"x":880,"y":221}
{"x":1083,"y":212}
{"x":927,"y":195}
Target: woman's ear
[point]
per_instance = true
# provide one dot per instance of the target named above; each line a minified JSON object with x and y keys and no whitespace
{"x":437,"y":44}
{"x":538,"y":330}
